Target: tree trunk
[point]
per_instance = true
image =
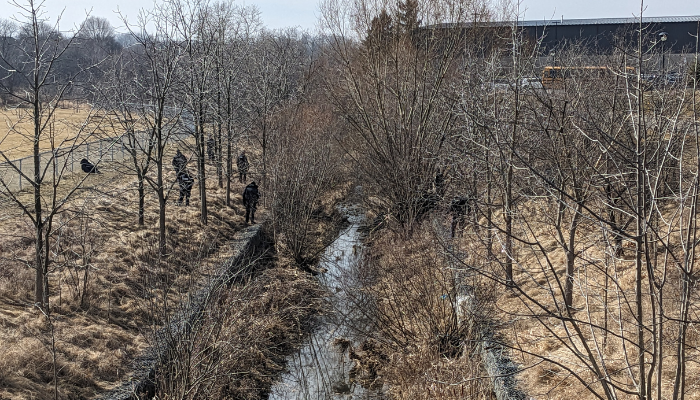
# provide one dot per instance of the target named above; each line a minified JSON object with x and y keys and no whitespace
{"x":571,"y":257}
{"x":142,"y":200}
{"x":509,"y":226}
{"x":39,"y":282}
{"x":160,"y":190}
{"x":40,"y":294}
{"x":640,"y":228}
{"x":229,"y":138}
{"x":229,"y":170}
{"x":201,"y":158}
{"x":161,"y":222}
{"x":264,"y":151}
{"x":219,"y":158}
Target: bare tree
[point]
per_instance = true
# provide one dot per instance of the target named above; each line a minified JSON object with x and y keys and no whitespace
{"x":125,"y":101}
{"x":275,"y":73}
{"x":42,"y":49}
{"x":304,"y":169}
{"x":392,"y":89}
{"x":159,"y":58}
{"x":235,"y":29}
{"x":7,"y":31}
{"x":198,"y":43}
{"x":96,"y":28}
{"x":236,"y":84}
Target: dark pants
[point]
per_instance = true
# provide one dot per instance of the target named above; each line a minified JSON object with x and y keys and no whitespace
{"x":242,"y":176}
{"x":250,"y":212}
{"x":458,"y":224}
{"x":184,"y":193}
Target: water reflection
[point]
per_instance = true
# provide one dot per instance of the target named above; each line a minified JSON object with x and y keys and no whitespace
{"x":319,"y":371}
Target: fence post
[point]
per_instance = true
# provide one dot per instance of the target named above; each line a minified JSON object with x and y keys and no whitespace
{"x":87,"y":152}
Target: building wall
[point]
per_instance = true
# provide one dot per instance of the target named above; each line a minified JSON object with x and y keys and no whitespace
{"x":600,"y":36}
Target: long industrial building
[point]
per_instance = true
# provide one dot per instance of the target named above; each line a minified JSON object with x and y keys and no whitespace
{"x":679,"y":33}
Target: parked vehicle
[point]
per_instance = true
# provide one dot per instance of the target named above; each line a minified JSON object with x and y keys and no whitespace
{"x":533,"y":83}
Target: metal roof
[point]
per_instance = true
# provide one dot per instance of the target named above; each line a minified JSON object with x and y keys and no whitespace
{"x":576,"y":22}
{"x":610,"y":21}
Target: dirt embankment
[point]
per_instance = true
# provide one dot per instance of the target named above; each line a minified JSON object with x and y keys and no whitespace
{"x":240,"y":346}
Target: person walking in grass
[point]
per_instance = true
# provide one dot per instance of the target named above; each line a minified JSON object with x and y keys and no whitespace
{"x":250,"y":201}
{"x":179,"y":162}
{"x":243,"y":165}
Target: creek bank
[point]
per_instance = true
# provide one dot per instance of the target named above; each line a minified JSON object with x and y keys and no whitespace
{"x":321,"y":369}
{"x":248,"y":244}
{"x":231,"y":337}
{"x":495,"y":356}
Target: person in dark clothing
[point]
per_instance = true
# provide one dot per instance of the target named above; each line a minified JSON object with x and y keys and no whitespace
{"x":243,"y":165}
{"x":211,"y":151}
{"x":179,"y":162}
{"x":250,"y":201}
{"x":185,"y":181}
{"x":88,"y":167}
{"x":459,"y":208}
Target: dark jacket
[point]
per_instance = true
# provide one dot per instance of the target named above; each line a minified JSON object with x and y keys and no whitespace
{"x":460,"y":206}
{"x":251,"y":195}
{"x":179,"y":161}
{"x":185,"y":180}
{"x":88,"y":167}
{"x":242,"y":163}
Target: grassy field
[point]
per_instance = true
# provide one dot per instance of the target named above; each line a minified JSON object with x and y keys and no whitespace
{"x":104,"y":300}
{"x":68,"y":125}
{"x":534,"y":334}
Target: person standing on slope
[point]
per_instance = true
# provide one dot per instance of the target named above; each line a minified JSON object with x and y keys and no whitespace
{"x":250,"y":201}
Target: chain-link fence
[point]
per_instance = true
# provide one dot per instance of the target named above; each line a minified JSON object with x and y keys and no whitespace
{"x":66,"y":160}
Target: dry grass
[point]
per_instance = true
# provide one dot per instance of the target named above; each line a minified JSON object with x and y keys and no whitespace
{"x":420,"y":349}
{"x":242,"y":344}
{"x":129,"y":288}
{"x":534,"y":335}
{"x":70,"y":124}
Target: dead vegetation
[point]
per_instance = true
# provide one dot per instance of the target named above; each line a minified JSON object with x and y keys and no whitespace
{"x":109,"y":287}
{"x":241,"y":345}
{"x":417,"y":346}
{"x":68,"y":121}
{"x":547,"y":339}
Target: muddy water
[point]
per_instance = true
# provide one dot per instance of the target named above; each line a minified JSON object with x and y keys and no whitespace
{"x":318,"y":371}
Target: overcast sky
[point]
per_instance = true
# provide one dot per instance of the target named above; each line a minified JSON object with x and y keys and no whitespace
{"x":304,"y":13}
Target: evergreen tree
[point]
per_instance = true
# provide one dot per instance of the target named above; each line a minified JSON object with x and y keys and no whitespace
{"x":407,"y":17}
{"x":381,"y":30}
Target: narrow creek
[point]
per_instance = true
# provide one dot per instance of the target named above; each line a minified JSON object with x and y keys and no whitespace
{"x":318,"y":371}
